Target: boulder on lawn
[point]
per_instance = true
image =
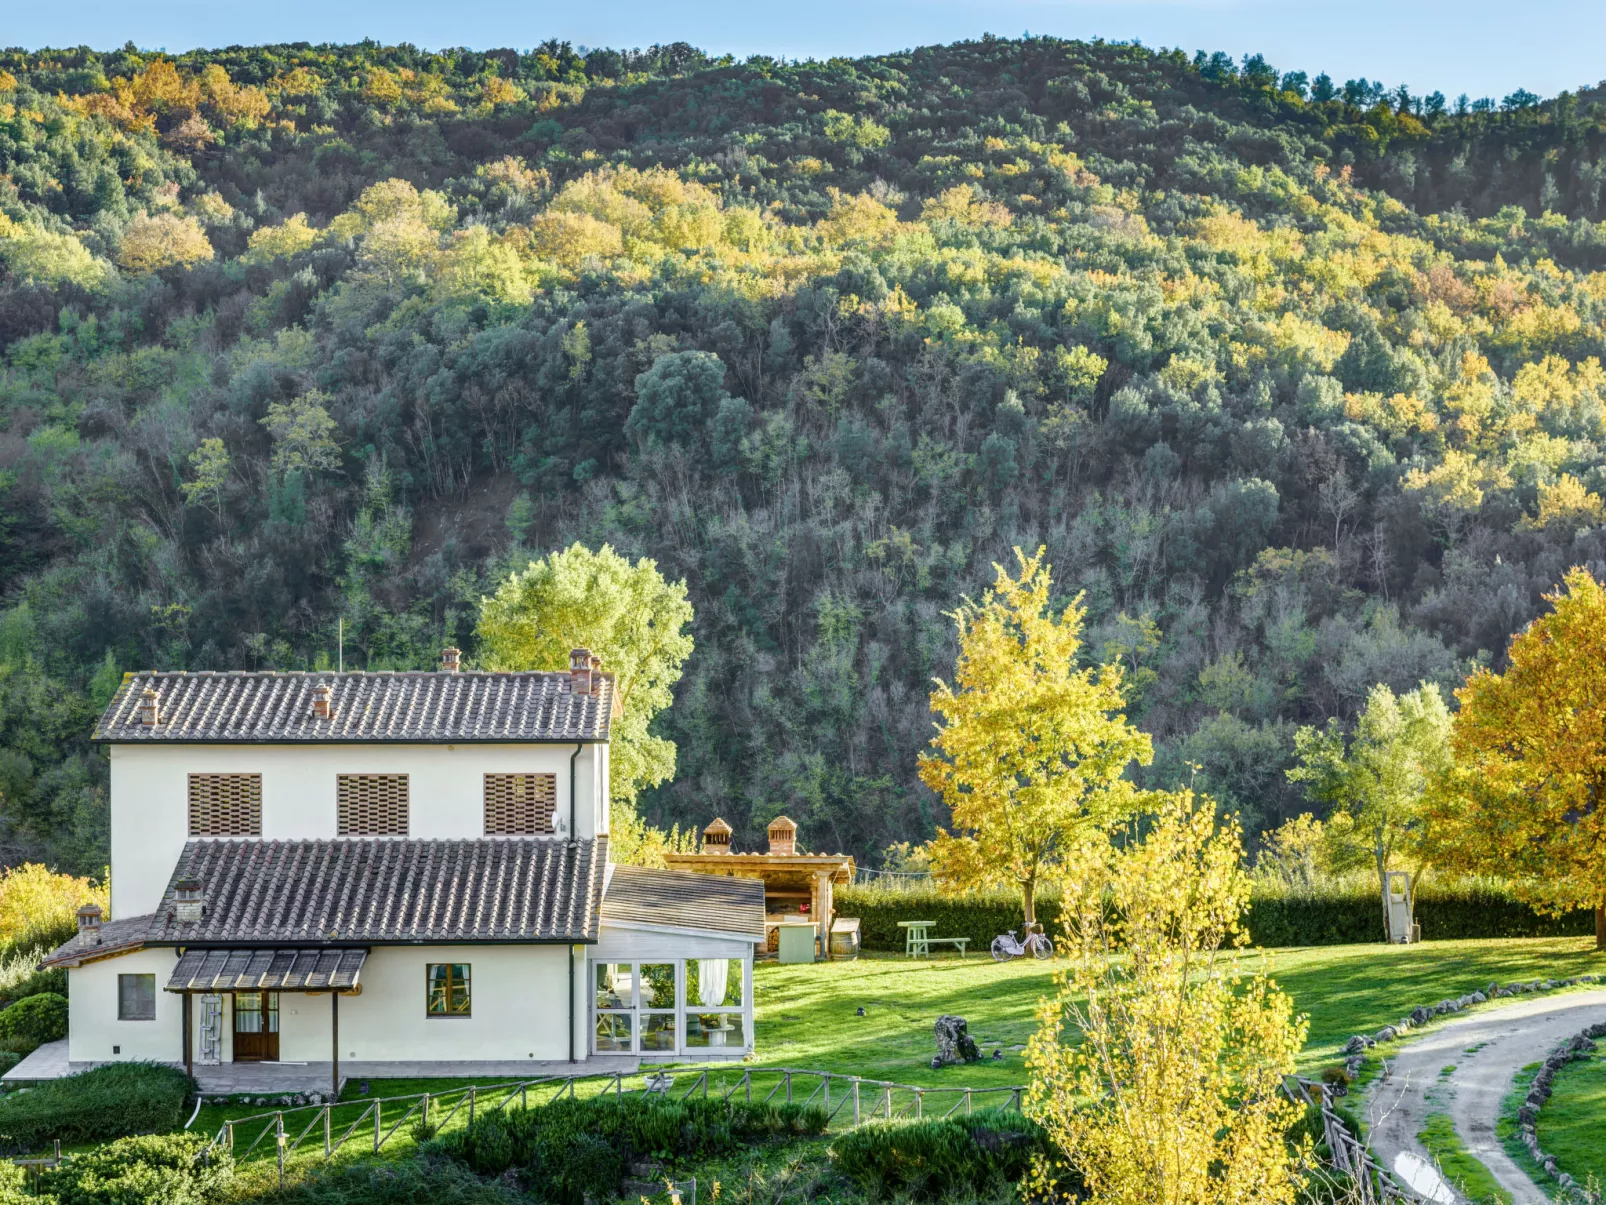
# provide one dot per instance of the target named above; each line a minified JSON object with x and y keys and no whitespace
{"x":954,"y":1043}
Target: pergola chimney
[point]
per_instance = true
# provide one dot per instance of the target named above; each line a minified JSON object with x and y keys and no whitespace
{"x":717,"y":837}
{"x":321,"y":695}
{"x":89,"y":918}
{"x":783,"y":837}
{"x":189,"y":906}
{"x":150,"y":707}
{"x":451,"y":660}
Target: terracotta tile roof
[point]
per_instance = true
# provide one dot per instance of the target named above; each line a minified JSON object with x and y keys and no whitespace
{"x":678,"y":898}
{"x":206,"y":970}
{"x":386,"y":890}
{"x":112,"y":937}
{"x":255,"y":708}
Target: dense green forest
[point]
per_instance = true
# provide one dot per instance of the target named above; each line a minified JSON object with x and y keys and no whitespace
{"x":1300,"y":382}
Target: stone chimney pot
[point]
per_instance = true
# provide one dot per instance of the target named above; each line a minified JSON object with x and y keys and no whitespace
{"x":150,"y":707}
{"x":321,"y":695}
{"x":89,"y":918}
{"x":451,"y":660}
{"x":189,"y":904}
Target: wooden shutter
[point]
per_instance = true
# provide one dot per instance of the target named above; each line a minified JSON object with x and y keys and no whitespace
{"x":371,"y":805}
{"x":519,"y":805}
{"x":225,"y":805}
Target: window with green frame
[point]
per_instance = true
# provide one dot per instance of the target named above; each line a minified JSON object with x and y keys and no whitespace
{"x":447,"y":989}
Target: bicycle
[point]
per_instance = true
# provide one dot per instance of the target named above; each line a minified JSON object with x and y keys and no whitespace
{"x":1005,"y":947}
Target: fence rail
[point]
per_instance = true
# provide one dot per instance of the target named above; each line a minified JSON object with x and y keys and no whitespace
{"x":847,"y":1100}
{"x":1373,"y":1183}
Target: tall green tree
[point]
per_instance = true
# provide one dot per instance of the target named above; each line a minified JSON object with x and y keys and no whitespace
{"x":625,"y":613}
{"x":1376,"y":781}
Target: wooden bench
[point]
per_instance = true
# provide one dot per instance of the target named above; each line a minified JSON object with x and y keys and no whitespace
{"x":960,"y":942}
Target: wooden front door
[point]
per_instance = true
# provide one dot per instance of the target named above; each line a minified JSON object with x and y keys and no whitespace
{"x":256,"y":1027}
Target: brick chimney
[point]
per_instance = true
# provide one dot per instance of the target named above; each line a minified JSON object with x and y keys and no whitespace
{"x":321,"y":695}
{"x":783,"y":837}
{"x":717,"y":837}
{"x":585,"y":672}
{"x":150,"y":707}
{"x":189,"y":906}
{"x":89,"y":919}
{"x":451,"y":660}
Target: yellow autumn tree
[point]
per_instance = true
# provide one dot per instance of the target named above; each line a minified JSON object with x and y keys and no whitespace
{"x":163,"y":240}
{"x":1526,"y":797}
{"x":1030,"y":750}
{"x":1158,"y":1067}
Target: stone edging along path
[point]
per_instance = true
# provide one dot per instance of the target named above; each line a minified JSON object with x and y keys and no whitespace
{"x":1355,"y":1049}
{"x":1539,"y":1091}
{"x":1415,"y":1072}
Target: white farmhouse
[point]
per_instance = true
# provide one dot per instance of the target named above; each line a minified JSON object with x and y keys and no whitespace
{"x":389,"y":873}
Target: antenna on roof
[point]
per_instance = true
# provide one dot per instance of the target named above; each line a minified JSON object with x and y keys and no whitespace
{"x":340,"y":644}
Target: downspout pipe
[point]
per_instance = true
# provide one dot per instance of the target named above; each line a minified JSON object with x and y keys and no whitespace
{"x":573,"y":757}
{"x":579,"y":745}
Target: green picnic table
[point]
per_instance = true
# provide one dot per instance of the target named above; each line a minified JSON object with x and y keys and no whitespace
{"x":917,"y":939}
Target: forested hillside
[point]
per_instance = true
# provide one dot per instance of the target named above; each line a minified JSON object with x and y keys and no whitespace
{"x":1300,"y":382}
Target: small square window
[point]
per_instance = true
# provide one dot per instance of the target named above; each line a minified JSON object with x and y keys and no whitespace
{"x":136,"y":997}
{"x":447,"y":987}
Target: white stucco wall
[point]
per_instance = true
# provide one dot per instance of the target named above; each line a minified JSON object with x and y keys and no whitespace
{"x":518,"y":1000}
{"x":94,"y":1033}
{"x":150,"y":793}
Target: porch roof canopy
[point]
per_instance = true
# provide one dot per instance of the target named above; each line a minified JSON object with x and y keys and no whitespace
{"x":267,"y":971}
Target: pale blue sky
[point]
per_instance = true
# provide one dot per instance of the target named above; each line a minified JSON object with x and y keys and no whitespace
{"x":1480,"y":47}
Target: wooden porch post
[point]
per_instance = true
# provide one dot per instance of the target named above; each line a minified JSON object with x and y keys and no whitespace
{"x":334,"y":1051}
{"x":189,"y":1039}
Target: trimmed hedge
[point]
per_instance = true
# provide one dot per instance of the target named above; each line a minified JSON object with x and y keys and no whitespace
{"x":95,"y":1105}
{"x":1320,"y":917}
{"x":988,"y":1150}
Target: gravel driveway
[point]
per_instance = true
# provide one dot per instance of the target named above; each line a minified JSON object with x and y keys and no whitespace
{"x":1487,"y":1049}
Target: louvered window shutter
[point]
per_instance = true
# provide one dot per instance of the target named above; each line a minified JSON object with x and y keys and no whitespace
{"x":371,"y":805}
{"x":519,"y":805}
{"x":225,"y":805}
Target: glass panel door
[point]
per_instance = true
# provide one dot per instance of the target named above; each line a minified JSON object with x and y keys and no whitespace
{"x":256,"y":1027}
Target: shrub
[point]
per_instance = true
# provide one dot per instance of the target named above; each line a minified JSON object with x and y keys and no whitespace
{"x":571,"y":1149}
{"x":105,"y":1102}
{"x":39,"y":909}
{"x":408,"y":1182}
{"x":31,"y":982}
{"x":154,"y":1169}
{"x":923,"y":1159}
{"x":35,"y":1019}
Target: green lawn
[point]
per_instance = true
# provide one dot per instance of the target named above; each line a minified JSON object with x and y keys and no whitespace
{"x":806,"y":1015}
{"x":1570,"y":1124}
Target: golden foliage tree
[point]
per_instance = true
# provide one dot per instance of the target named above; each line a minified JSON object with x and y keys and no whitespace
{"x":163,"y":240}
{"x":1030,"y":750}
{"x":1158,"y":1067}
{"x":1526,"y":797}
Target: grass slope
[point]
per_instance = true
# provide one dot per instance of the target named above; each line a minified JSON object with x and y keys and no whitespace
{"x":806,"y":1015}
{"x":1570,"y":1124}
